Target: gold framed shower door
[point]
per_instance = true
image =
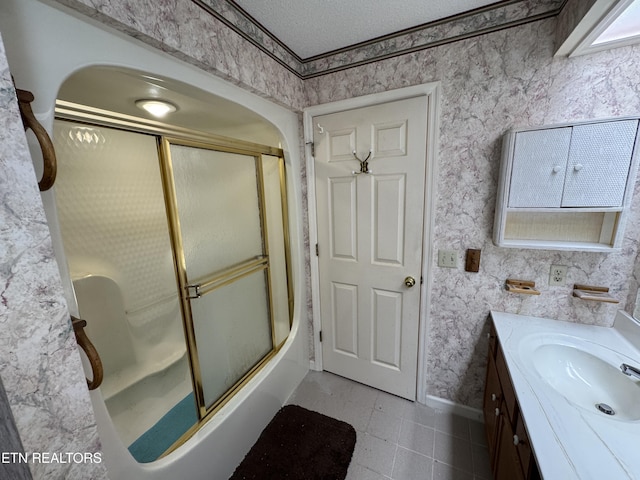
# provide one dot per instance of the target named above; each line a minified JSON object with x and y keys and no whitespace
{"x":166,"y":137}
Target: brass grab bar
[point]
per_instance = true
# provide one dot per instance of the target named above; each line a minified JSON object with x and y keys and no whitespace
{"x":224,"y":277}
{"x":46,"y":145}
{"x":90,"y":350}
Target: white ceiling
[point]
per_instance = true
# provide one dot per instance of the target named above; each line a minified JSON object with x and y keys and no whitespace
{"x":314,"y":27}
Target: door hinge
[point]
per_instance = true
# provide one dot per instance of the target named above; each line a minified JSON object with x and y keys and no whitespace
{"x":313,"y":148}
{"x":320,"y":336}
{"x":317,"y":250}
{"x":421,"y":279}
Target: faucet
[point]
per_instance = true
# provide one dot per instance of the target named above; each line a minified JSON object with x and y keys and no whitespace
{"x":631,"y":371}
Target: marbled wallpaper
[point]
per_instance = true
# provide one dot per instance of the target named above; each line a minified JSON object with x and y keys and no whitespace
{"x":490,"y":84}
{"x":40,"y":365}
{"x":492,"y":17}
{"x":240,"y":22}
{"x":217,"y":36}
{"x":186,"y":31}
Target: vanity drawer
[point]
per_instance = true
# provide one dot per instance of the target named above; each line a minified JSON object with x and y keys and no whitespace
{"x":493,"y":341}
{"x":521,"y":441}
{"x":510,"y":449}
{"x":509,"y":395}
{"x":507,"y":465}
{"x":491,"y":407}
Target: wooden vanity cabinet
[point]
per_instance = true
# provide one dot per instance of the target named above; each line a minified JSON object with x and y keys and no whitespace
{"x":509,"y":448}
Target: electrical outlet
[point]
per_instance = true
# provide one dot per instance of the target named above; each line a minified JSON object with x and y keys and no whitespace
{"x":558,"y":275}
{"x":448,"y":258}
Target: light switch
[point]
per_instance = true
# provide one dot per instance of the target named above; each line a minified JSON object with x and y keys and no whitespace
{"x":447,"y":258}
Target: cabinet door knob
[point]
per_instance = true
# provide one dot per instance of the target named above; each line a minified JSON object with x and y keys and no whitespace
{"x":497,"y":412}
{"x":557,"y":168}
{"x":577,"y":167}
{"x":517,"y":441}
{"x":493,"y":397}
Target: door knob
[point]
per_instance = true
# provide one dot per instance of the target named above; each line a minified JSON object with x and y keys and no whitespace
{"x":409,"y":281}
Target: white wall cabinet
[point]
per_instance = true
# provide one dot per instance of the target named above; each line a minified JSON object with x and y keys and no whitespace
{"x":566,"y":187}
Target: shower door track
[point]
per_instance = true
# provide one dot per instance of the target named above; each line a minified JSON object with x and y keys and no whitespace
{"x":95,"y":116}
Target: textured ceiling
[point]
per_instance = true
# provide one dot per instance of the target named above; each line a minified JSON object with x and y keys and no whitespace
{"x":314,"y":27}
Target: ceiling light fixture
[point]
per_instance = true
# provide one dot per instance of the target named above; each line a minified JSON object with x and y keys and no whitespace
{"x":157,"y":108}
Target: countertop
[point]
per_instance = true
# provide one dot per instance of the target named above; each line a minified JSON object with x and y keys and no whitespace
{"x":569,"y":441}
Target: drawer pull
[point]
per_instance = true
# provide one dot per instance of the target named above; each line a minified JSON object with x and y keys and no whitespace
{"x":497,"y":412}
{"x":518,"y":441}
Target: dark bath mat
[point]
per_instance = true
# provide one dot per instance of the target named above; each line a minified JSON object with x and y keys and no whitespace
{"x":299,"y":444}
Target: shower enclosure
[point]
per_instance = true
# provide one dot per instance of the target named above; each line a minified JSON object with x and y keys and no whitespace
{"x":177,"y":244}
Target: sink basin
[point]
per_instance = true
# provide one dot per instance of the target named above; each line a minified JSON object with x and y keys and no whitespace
{"x":588,"y":379}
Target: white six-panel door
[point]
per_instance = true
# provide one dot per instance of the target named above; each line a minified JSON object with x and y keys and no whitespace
{"x":370,"y":241}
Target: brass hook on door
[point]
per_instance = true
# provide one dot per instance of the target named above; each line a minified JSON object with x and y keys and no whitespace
{"x":364,"y":164}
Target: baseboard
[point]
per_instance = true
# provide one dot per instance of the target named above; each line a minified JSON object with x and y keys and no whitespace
{"x":455,"y":408}
{"x":439,"y":403}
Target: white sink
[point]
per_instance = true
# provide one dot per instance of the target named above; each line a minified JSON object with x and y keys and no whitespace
{"x":589,"y":378}
{"x":560,"y":371}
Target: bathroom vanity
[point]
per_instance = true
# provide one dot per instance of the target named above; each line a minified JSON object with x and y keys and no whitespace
{"x":557,"y":405}
{"x":509,"y":446}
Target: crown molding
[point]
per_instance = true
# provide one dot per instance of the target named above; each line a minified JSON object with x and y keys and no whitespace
{"x":494,"y":17}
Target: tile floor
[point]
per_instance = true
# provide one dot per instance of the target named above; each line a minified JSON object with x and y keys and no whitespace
{"x":398,"y":439}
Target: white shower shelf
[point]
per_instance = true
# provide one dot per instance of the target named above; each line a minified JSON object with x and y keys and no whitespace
{"x":118,"y":382}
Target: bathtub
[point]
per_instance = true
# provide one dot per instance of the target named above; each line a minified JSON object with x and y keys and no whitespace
{"x":41,"y":66}
{"x":220,"y":445}
{"x":143,"y":353}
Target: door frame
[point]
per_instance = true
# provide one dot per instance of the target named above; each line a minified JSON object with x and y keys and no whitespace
{"x":432,"y":92}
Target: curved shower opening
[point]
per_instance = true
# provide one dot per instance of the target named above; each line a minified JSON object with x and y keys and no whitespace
{"x":176,"y":236}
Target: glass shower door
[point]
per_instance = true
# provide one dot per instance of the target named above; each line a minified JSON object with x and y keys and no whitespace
{"x":221,"y":253}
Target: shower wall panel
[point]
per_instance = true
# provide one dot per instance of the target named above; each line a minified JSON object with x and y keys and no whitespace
{"x":112,"y":211}
{"x":275,"y":211}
